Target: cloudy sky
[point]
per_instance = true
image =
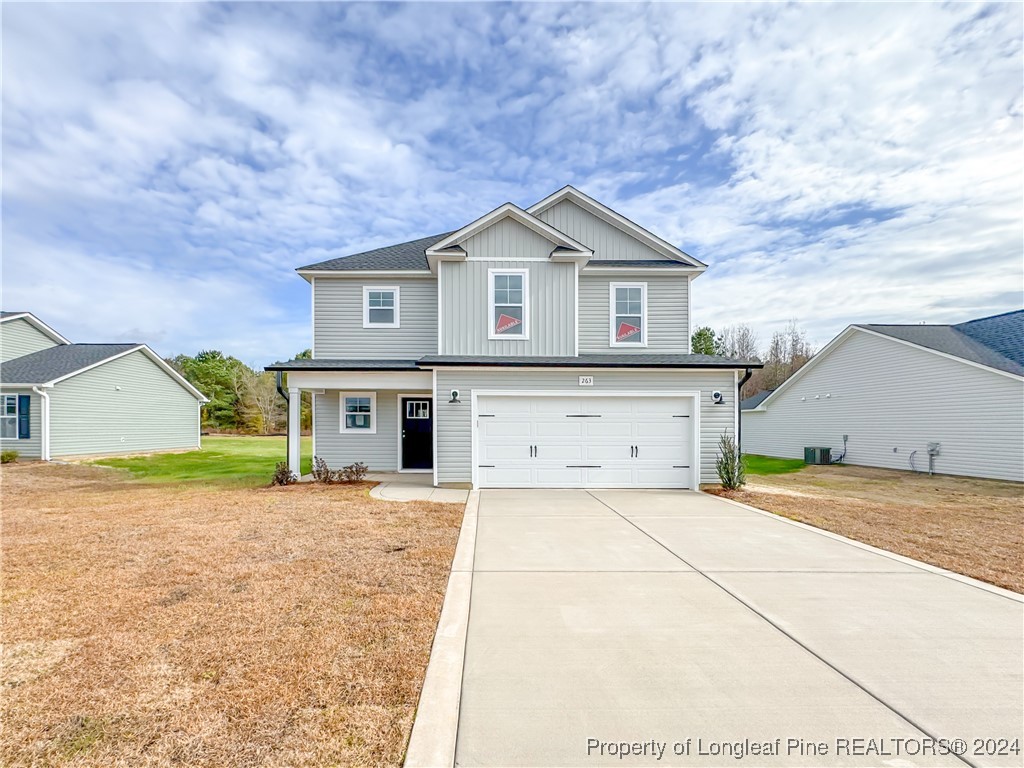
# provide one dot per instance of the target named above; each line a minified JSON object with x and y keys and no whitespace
{"x":167,"y":166}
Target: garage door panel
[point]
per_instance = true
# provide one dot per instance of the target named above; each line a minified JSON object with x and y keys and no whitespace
{"x":496,"y":428}
{"x":599,"y":428}
{"x":657,"y":406}
{"x":567,"y":452}
{"x":492,"y":452}
{"x":506,"y":406}
{"x":506,"y":477}
{"x":610,"y":477}
{"x":555,"y":477}
{"x":661,"y":477}
{"x":609,"y":451}
{"x":571,"y":428}
{"x":665,"y":452}
{"x":672,"y":429}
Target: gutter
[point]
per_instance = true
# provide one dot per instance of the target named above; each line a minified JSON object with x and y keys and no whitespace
{"x":739,"y":413}
{"x":44,"y":438}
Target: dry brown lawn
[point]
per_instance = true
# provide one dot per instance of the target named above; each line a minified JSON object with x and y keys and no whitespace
{"x":971,"y":526}
{"x":196,"y":626}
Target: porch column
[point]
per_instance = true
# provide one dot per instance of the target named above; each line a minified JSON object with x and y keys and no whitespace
{"x":294,"y":430}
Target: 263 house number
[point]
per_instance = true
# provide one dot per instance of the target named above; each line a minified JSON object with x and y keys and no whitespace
{"x":586,"y":381}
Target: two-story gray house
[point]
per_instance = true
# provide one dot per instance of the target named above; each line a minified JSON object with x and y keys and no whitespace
{"x":546,"y":347}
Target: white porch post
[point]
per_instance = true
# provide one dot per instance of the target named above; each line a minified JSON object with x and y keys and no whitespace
{"x":294,"y":430}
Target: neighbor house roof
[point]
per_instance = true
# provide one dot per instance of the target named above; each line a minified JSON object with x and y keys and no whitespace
{"x":411,"y":255}
{"x":995,"y":342}
{"x":35,"y":322}
{"x":49,"y":366}
{"x":756,"y":400}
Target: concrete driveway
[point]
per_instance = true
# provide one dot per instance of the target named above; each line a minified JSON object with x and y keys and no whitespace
{"x":674,"y":628}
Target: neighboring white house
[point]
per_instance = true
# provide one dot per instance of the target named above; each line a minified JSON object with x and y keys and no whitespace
{"x":64,"y":399}
{"x":893,"y":390}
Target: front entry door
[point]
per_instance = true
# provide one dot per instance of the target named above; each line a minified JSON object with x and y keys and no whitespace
{"x":417,"y":433}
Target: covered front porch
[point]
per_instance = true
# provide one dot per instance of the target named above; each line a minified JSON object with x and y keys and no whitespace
{"x":376,"y":412}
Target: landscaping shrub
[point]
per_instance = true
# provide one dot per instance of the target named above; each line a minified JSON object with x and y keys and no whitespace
{"x":8,"y":457}
{"x":353,"y":473}
{"x":283,"y":475}
{"x":321,"y":472}
{"x":729,"y":464}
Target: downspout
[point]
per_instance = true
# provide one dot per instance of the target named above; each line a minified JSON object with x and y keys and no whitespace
{"x":739,"y":417}
{"x":44,"y":419}
{"x":284,"y":393}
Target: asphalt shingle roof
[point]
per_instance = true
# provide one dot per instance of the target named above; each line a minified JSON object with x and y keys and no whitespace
{"x":53,"y":363}
{"x":756,"y":400}
{"x":410,"y":255}
{"x":996,"y":341}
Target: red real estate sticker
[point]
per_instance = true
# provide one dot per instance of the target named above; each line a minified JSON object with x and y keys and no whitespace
{"x":505,"y":322}
{"x":625,"y":331}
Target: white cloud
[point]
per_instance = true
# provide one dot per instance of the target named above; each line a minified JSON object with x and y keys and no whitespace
{"x":829,"y":164}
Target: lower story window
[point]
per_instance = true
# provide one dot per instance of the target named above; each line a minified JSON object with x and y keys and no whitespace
{"x":359,"y":412}
{"x":9,"y":417}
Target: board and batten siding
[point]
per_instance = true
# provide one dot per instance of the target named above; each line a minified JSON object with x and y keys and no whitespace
{"x":668,"y":325}
{"x":605,"y":240}
{"x":19,"y":337}
{"x":32,"y":448}
{"x":379,"y":451}
{"x":465,"y":306}
{"x":453,"y":420}
{"x":149,"y":412}
{"x":892,"y":399}
{"x":338,"y":319}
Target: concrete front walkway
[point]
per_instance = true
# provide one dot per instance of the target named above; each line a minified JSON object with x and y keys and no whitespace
{"x":413,"y":486}
{"x":677,"y":621}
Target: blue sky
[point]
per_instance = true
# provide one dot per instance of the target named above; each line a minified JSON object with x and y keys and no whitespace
{"x":167,"y":166}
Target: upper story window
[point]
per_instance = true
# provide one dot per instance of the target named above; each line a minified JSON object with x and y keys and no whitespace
{"x":508,"y":316}
{"x":9,"y":416}
{"x":628,"y":314}
{"x":359,"y":412}
{"x":380,"y":306}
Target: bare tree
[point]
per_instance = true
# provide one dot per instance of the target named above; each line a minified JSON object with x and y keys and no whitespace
{"x":787,"y":353}
{"x":261,"y":403}
{"x":739,"y":341}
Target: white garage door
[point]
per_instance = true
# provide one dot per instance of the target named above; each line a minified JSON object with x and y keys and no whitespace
{"x":578,"y":442}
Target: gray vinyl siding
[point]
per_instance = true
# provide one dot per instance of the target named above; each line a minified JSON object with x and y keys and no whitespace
{"x":605,"y":240}
{"x":892,"y":399}
{"x":465,"y":305}
{"x":338,"y":319}
{"x":32,"y":447}
{"x":453,"y":421}
{"x":668,"y":324}
{"x":507,"y":239}
{"x":377,"y":451}
{"x":19,"y":338}
{"x":150,"y":412}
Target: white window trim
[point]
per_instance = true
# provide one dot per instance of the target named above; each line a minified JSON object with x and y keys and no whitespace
{"x":5,"y":415}
{"x":611,"y":315}
{"x":366,"y":306}
{"x":491,"y":335}
{"x":373,"y":413}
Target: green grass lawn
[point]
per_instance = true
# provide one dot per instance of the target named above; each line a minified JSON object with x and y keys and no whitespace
{"x":244,"y":461}
{"x":769,"y":465}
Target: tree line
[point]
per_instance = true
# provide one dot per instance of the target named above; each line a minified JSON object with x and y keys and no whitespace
{"x":242,"y":397}
{"x":786,"y":353}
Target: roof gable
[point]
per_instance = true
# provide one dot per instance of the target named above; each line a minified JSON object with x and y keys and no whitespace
{"x":51,"y":366}
{"x":615,"y":220}
{"x":35,"y":322}
{"x":563,"y":247}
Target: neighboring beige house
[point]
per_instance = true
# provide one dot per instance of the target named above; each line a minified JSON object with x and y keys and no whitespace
{"x":894,"y":391}
{"x":545,"y":347}
{"x":63,"y":399}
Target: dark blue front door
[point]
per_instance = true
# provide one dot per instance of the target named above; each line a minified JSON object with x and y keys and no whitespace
{"x":417,"y":432}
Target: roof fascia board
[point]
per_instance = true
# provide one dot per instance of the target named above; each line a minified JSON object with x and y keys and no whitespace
{"x":318,"y":273}
{"x":592,"y":270}
{"x":591,"y":364}
{"x":38,"y":324}
{"x":617,"y":220}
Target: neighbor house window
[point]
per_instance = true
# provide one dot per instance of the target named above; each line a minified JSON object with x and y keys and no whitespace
{"x":9,"y":417}
{"x":509,"y":294}
{"x":359,"y":412}
{"x":380,"y":307}
{"x":628,"y":314}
